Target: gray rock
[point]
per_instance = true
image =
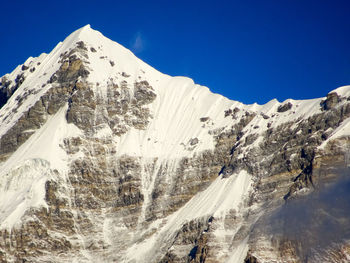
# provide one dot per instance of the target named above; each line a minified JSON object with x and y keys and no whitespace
{"x":331,"y":101}
{"x":284,"y":107}
{"x":193,"y":141}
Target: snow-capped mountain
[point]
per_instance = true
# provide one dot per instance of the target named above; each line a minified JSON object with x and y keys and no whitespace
{"x":105,"y":159}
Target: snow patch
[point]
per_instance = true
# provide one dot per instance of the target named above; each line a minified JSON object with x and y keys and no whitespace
{"x":222,"y":195}
{"x":23,"y":175}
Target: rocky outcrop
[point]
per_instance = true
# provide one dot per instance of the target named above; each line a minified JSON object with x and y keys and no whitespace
{"x":250,"y":259}
{"x":331,"y":101}
{"x":190,"y":243}
{"x":107,"y":205}
{"x":302,"y":172}
{"x":31,"y":120}
{"x":284,"y":107}
{"x":63,"y":84}
{"x":8,"y":87}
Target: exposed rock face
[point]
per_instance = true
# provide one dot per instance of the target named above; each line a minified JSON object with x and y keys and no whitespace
{"x":116,"y":162}
{"x":284,"y":107}
{"x":331,"y":101}
{"x":190,"y":243}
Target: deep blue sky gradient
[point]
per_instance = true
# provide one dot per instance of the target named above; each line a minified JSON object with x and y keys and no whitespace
{"x":251,"y":51}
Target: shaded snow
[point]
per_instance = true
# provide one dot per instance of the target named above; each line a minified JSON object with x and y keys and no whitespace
{"x":221,"y":196}
{"x":23,"y":175}
{"x":175,"y":122}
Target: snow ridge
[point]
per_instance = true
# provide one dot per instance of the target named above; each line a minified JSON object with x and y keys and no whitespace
{"x":186,"y":121}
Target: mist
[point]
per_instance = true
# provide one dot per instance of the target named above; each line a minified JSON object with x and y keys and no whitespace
{"x":312,"y":223}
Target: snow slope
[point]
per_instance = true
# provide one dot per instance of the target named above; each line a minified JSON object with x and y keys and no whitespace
{"x":23,"y":175}
{"x":219,"y":198}
{"x":185,"y":119}
{"x":177,"y":110}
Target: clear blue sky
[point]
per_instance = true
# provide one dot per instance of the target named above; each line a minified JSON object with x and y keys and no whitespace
{"x":251,"y":51}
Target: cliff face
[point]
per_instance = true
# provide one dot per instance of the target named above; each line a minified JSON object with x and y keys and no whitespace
{"x":105,"y":159}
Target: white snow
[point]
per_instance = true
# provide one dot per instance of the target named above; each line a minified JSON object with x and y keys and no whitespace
{"x":35,"y":84}
{"x":176,"y":114}
{"x":22,"y":188}
{"x":222,"y":195}
{"x":178,"y":107}
{"x":177,"y":111}
{"x":239,"y":252}
{"x":23,"y":175}
{"x":343,"y":91}
{"x":342,"y":131}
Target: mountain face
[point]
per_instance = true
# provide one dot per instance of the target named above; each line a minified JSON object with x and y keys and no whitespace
{"x":105,"y":159}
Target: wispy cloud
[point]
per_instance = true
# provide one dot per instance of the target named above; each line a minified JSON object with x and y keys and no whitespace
{"x":138,"y":43}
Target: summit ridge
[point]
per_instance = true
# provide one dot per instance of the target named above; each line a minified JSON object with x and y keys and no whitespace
{"x":104,"y":158}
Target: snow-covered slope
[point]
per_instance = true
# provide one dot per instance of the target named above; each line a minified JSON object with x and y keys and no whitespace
{"x":103,"y":158}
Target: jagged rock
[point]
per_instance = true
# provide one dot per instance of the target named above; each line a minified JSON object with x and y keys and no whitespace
{"x":193,"y":141}
{"x":125,"y":74}
{"x":8,"y":87}
{"x":102,"y":199}
{"x":3,"y":97}
{"x":265,"y":116}
{"x":331,"y":101}
{"x":231,"y":112}
{"x":81,"y":45}
{"x":143,"y":93}
{"x":284,"y":107}
{"x":250,"y":259}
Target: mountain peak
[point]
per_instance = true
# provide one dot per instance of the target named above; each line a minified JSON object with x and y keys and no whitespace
{"x":87,"y":26}
{"x":103,"y":158}
{"x":83,"y":29}
{"x":85,"y":33}
{"x":104,"y":56}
